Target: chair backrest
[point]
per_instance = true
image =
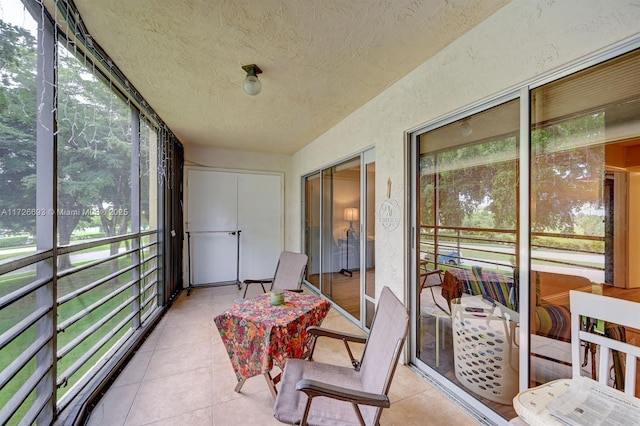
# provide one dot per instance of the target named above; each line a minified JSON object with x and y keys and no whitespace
{"x":618,"y":311}
{"x":290,"y":271}
{"x":383,"y":348}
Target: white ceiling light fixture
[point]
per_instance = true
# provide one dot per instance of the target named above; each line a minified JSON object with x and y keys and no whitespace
{"x":251,"y":84}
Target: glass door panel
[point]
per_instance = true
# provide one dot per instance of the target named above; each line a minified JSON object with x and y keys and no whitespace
{"x":585,"y":196}
{"x":466,"y":308}
{"x":312,"y":227}
{"x":369,"y":242}
{"x":341,"y":235}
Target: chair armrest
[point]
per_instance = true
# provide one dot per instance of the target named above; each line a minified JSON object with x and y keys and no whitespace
{"x":315,"y":388}
{"x":262,"y":281}
{"x":319,"y":331}
{"x":295,"y":290}
{"x":316,"y":332}
{"x":431,"y":272}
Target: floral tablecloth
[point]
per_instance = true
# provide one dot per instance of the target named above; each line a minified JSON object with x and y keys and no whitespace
{"x":258,"y":334}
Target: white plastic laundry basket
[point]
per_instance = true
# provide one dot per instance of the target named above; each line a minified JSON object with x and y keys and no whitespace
{"x":485,"y":350}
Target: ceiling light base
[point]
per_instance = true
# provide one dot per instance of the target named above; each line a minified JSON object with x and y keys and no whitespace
{"x":252,"y":69}
{"x":252,"y":86}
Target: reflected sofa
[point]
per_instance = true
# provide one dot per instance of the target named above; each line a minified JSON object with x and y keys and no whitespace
{"x":551,"y":317}
{"x":550,"y":291}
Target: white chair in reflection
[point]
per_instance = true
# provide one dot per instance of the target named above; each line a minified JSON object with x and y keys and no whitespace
{"x":531,"y":404}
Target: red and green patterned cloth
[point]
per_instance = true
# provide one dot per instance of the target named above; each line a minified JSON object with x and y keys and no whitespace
{"x":258,"y":334}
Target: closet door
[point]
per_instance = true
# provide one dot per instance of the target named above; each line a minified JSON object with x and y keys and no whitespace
{"x":260,"y":219}
{"x":212,"y":216}
{"x":219,"y":205}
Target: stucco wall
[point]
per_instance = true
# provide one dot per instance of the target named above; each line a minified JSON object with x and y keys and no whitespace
{"x":237,"y":160}
{"x":523,"y":40}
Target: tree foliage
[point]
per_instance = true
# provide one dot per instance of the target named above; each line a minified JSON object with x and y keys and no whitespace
{"x":567,"y":173}
{"x":18,"y":108}
{"x":94,"y":151}
{"x":93,"y":140}
{"x":470,"y":179}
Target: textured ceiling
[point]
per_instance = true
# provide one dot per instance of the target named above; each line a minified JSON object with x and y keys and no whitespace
{"x":321,"y":59}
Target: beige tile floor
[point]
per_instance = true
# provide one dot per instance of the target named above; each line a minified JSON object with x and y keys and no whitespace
{"x":182,"y":376}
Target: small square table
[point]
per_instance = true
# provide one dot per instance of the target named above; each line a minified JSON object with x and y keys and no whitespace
{"x":258,"y":334}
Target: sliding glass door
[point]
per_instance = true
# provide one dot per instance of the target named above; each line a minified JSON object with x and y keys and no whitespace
{"x":468,"y":231}
{"x":514,"y":206}
{"x":585,"y":196}
{"x":340,"y":233}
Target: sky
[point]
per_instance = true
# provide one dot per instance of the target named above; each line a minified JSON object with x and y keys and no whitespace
{"x":14,"y":12}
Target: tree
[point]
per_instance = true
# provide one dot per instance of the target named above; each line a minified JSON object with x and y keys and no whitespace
{"x":469,"y":179}
{"x":94,"y":142}
{"x":567,"y":173}
{"x":18,"y":108}
{"x":94,"y":152}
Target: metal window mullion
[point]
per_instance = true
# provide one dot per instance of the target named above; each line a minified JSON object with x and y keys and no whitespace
{"x":11,"y":334}
{"x":92,"y":351}
{"x":150,"y":285}
{"x":135,"y":215}
{"x":46,"y":199}
{"x":16,"y":264}
{"x":147,"y":274}
{"x":71,"y":248}
{"x":92,"y":329}
{"x":149,"y":245}
{"x":146,"y":260}
{"x":93,"y":285}
{"x":524,"y":240}
{"x":69,"y":396}
{"x":81,"y":314}
{"x":145,"y":315}
{"x":149,"y":313}
{"x":23,"y":393}
{"x":33,"y":415}
{"x":22,"y":292}
{"x":18,"y":364}
{"x":71,"y":271}
{"x":149,"y":299}
{"x":152,"y":268}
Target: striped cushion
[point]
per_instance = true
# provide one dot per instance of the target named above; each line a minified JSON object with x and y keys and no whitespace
{"x":553,"y":321}
{"x":470,"y":284}
{"x":493,"y":285}
{"x":502,"y":292}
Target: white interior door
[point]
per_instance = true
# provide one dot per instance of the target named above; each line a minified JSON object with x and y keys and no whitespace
{"x":212,"y":214}
{"x":212,"y":201}
{"x":221,"y":202}
{"x":260,"y":219}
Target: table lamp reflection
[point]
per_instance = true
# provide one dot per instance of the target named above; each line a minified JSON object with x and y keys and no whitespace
{"x":351,"y":214}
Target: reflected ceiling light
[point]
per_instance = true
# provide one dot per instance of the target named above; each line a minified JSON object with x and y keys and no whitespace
{"x":251,"y":84}
{"x":465,"y":128}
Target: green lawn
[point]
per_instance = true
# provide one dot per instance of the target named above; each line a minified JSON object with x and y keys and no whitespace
{"x":16,"y":312}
